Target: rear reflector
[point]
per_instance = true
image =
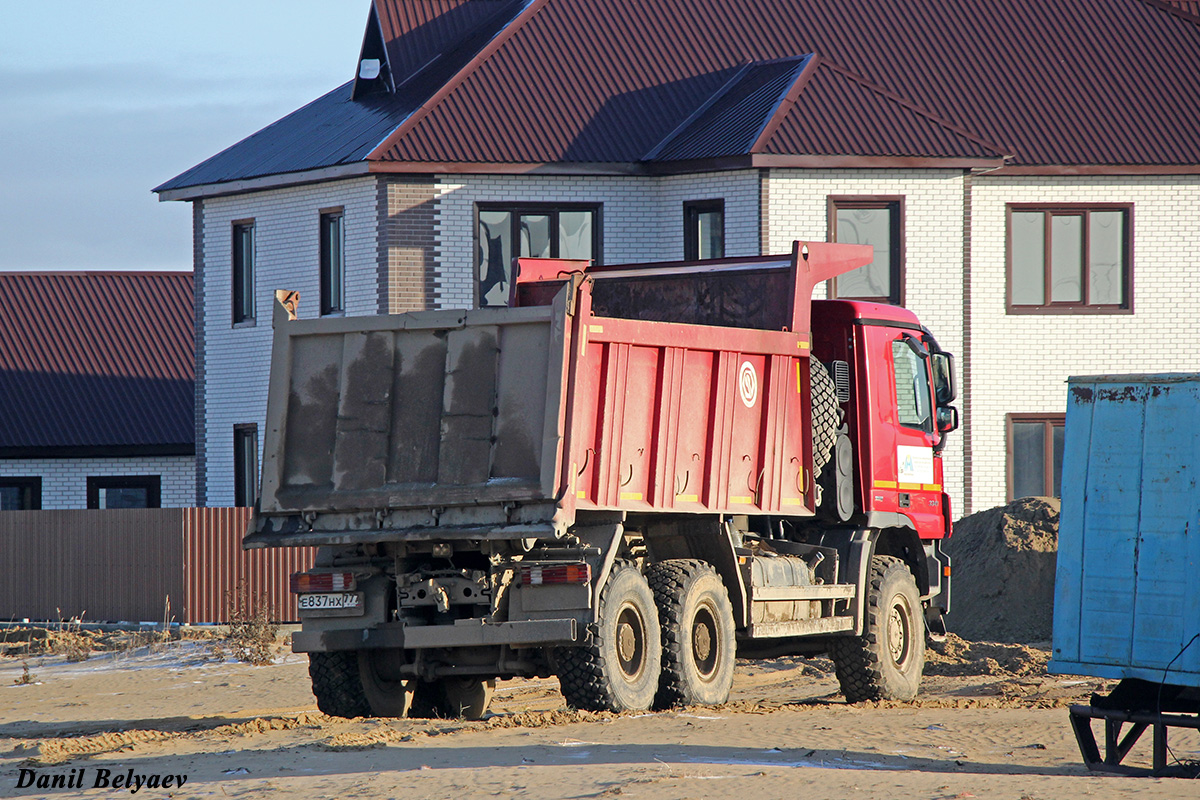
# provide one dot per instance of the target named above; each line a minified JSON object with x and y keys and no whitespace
{"x":306,"y":582}
{"x":538,"y":574}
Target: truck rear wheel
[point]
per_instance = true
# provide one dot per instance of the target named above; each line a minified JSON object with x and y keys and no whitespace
{"x":617,"y":669}
{"x":336,"y":684}
{"x":698,"y":647}
{"x":387,"y":698}
{"x":886,"y":662}
{"x":467,"y":697}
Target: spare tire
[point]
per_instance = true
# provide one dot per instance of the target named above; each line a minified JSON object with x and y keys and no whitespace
{"x":826,"y":415}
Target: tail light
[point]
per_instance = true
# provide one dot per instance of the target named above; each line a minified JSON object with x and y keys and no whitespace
{"x":538,"y":574}
{"x":307,"y":582}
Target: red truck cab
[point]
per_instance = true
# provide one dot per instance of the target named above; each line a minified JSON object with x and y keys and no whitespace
{"x":892,"y":407}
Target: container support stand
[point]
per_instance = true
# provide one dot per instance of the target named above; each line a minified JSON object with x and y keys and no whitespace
{"x":1116,"y":746}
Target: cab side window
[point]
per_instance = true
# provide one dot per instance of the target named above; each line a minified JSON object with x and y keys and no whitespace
{"x":912,"y":387}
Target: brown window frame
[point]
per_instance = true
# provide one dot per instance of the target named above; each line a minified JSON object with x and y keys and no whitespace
{"x":895,"y":203}
{"x":32,"y":485}
{"x":516,"y":209}
{"x":242,"y":274}
{"x":692,"y":209}
{"x":1048,"y":306}
{"x":333,"y":276}
{"x":1049,"y":422}
{"x":151,"y":483}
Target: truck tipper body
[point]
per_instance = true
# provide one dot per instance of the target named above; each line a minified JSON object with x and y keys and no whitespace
{"x":619,"y":479}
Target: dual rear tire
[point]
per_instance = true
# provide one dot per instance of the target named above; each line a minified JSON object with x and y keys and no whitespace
{"x":350,"y":683}
{"x":663,"y":639}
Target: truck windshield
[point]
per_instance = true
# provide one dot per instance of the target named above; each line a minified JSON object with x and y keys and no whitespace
{"x":912,"y":387}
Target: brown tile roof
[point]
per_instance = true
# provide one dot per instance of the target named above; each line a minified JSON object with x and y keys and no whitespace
{"x":607,"y":82}
{"x":96,"y":363}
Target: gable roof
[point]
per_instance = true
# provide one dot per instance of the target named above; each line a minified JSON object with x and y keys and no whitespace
{"x":811,"y":106}
{"x":96,"y":363}
{"x":603,"y":85}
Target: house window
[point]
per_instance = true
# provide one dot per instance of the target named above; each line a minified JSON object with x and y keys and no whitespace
{"x":333,"y":264}
{"x":1069,"y":258}
{"x":20,"y":494}
{"x":243,"y":272}
{"x":1035,"y":449}
{"x":539,"y":231}
{"x":703,"y":229}
{"x":879,"y":222}
{"x":245,"y":465}
{"x":124,"y":491}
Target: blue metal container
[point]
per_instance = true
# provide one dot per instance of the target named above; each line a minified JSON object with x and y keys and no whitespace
{"x":1127,"y":594}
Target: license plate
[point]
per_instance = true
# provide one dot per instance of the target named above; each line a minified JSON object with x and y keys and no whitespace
{"x":349,"y":603}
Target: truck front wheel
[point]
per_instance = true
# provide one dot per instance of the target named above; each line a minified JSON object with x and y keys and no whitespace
{"x":336,"y":684}
{"x":617,"y":669}
{"x":697,"y":633}
{"x":886,"y":662}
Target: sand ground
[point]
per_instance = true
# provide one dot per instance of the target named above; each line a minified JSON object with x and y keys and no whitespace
{"x":988,"y":725}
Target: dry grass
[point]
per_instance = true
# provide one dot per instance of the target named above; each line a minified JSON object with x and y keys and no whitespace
{"x":26,"y":677}
{"x":252,"y":635}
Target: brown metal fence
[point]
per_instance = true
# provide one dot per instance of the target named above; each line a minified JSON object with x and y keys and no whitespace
{"x":138,"y":565}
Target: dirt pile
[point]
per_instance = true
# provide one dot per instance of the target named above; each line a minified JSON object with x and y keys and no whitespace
{"x":955,"y":657}
{"x":1004,"y":561}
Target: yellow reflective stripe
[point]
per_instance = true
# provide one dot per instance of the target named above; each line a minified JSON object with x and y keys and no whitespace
{"x":631,"y":495}
{"x":688,"y":498}
{"x":885,"y":484}
{"x":792,"y":501}
{"x":742,"y":500}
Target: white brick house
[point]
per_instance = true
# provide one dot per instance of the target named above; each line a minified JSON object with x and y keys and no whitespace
{"x":414,"y":160}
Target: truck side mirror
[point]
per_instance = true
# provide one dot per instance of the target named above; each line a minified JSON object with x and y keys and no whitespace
{"x":943,"y":378}
{"x":947,"y":419}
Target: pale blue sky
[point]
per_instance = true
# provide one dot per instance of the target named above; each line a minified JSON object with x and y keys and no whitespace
{"x":102,"y":101}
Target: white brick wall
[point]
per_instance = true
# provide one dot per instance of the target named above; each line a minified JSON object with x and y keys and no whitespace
{"x":1014,"y":363}
{"x":642,"y":218}
{"x":933,"y":231}
{"x":64,"y":480}
{"x":287,"y":256}
{"x":1019,"y":363}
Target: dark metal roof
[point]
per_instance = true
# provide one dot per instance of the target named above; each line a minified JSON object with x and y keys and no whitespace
{"x":837,"y":113}
{"x":417,"y":35}
{"x":330,"y":131}
{"x":524,"y":82}
{"x":810,"y":106}
{"x":732,"y":121}
{"x":341,"y":128}
{"x":96,"y":363}
{"x":1068,"y":82}
{"x":1187,"y":6}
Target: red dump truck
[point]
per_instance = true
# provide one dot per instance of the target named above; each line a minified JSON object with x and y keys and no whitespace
{"x":624,"y":478}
